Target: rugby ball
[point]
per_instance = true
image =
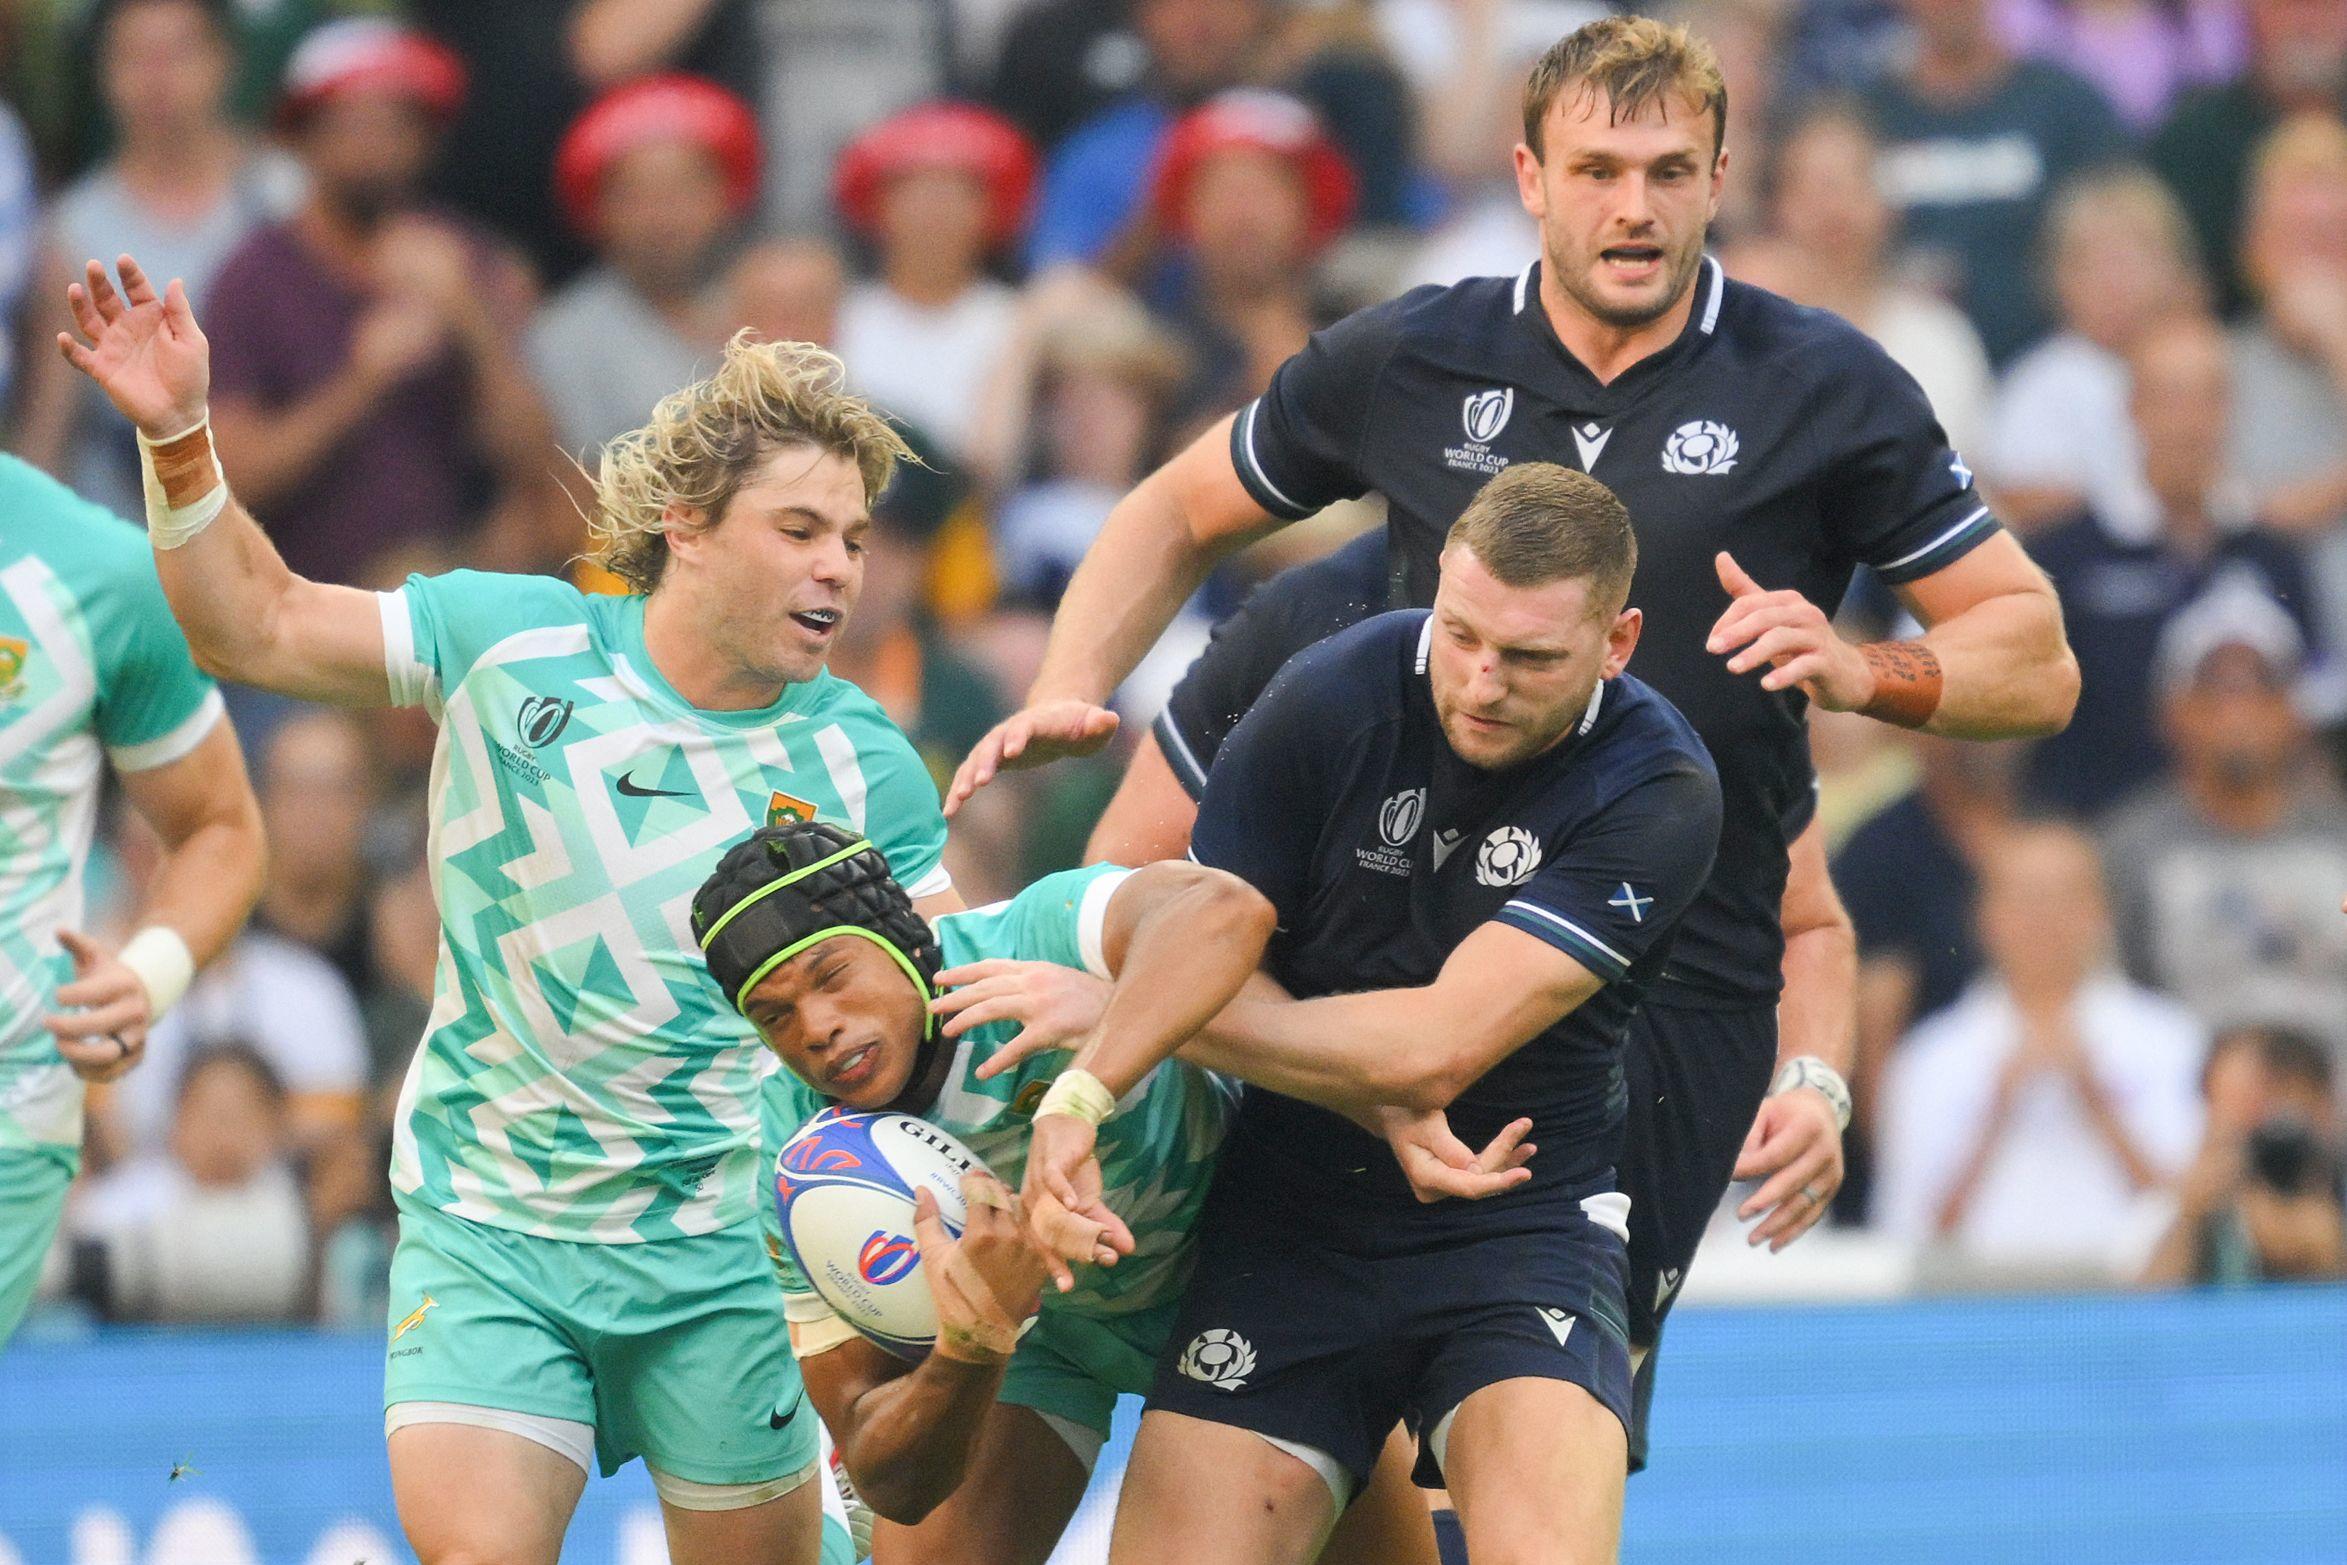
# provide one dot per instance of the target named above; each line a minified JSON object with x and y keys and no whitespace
{"x":843,"y":1188}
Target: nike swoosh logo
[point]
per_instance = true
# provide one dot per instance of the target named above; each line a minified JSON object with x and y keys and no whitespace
{"x":630,"y":787}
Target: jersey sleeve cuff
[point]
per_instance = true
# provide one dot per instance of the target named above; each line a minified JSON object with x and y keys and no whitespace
{"x":1092,"y":922}
{"x":1567,"y":936}
{"x":934,"y":884}
{"x":1247,"y":458}
{"x":1179,"y":756}
{"x":167,"y":747}
{"x":1944,"y":549}
{"x":412,"y":682}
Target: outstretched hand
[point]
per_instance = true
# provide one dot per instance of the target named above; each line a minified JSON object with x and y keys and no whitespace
{"x":1056,"y":1007}
{"x":1792,"y":637}
{"x":144,"y":350}
{"x":1441,"y":1167}
{"x":1032,"y":736}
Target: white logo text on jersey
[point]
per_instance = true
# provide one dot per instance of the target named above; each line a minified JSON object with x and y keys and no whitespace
{"x":1508,"y":857}
{"x":1220,"y":1358}
{"x":1700,"y":447}
{"x":1484,"y":414}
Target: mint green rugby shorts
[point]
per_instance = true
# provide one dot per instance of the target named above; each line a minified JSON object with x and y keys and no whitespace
{"x":33,"y":1182}
{"x":674,"y":1350}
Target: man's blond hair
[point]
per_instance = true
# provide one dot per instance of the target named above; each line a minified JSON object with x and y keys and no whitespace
{"x":705,"y":441}
{"x":1636,"y":63}
{"x":1538,"y":522}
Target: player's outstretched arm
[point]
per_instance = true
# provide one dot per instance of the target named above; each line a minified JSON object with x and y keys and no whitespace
{"x":246,"y":616}
{"x":1412,"y":1048}
{"x":1152,"y":552}
{"x":906,"y":1433}
{"x":1181,"y":939}
{"x":204,"y":885}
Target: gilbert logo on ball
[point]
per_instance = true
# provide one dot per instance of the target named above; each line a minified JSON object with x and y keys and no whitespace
{"x":843,"y":1190}
{"x":1700,"y":447}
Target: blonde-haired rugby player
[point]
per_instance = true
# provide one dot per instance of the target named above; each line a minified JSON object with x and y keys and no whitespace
{"x":580,"y":1276}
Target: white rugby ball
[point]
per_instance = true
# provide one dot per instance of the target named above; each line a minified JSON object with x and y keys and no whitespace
{"x":843,"y":1188}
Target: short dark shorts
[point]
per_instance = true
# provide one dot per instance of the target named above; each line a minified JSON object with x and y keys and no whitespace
{"x":1328,"y":1335}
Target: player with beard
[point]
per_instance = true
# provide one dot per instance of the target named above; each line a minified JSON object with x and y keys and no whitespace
{"x":1478,"y":836}
{"x":580,"y":1278}
{"x":1765,"y":452}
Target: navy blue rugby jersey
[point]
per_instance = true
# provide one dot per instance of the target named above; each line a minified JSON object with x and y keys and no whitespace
{"x":1779,"y":433}
{"x":1340,"y":800}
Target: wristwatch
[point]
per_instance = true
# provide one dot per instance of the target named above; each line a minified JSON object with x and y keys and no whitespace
{"x":1808,"y":1070}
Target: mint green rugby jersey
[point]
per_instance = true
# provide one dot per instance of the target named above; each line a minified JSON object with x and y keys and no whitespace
{"x":92,"y":669}
{"x":1156,"y":1156}
{"x":580,"y":1075}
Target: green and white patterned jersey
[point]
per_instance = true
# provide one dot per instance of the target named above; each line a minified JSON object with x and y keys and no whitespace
{"x":580,"y":1076}
{"x":1156,"y":1156}
{"x":92,"y":668}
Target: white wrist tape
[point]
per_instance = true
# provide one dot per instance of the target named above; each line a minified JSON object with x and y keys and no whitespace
{"x":168,"y":525}
{"x":1080,"y":1093}
{"x":164,"y":965}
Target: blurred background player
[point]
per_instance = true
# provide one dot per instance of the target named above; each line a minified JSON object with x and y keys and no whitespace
{"x":593,"y":751}
{"x":979,"y":1451}
{"x":93,"y":674}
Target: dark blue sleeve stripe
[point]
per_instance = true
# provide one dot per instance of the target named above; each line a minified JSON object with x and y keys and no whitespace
{"x":1179,"y":755}
{"x":1942,"y":551}
{"x":1249,"y":465}
{"x":1566,"y":937}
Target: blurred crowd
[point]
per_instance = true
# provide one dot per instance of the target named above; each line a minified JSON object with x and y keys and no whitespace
{"x":444,"y":250}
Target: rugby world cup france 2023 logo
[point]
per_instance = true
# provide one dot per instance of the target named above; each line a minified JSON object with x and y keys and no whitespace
{"x":541,"y":719}
{"x":887,"y":1258}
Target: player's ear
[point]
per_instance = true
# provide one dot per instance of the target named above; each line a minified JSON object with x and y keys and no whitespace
{"x":1621,"y":639}
{"x":683,"y":526}
{"x":1528,"y":186}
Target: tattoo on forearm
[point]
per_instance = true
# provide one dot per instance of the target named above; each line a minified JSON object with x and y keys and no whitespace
{"x":1907,"y":682}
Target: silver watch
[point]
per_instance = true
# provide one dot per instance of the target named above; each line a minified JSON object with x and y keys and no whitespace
{"x":1808,"y":1070}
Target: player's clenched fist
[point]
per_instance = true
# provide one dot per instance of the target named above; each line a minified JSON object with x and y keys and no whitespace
{"x":988,"y":1283}
{"x":1033,"y":736}
{"x":1793,"y":638}
{"x":144,"y":350}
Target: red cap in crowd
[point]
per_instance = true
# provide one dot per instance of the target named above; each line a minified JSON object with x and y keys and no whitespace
{"x":956,"y":136}
{"x":361,"y":53}
{"x":1264,"y":122}
{"x":668,"y":107}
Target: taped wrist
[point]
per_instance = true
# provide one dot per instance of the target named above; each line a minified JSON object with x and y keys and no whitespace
{"x":1080,"y":1093}
{"x":184,"y":485}
{"x":1907,"y":682}
{"x":164,"y":964}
